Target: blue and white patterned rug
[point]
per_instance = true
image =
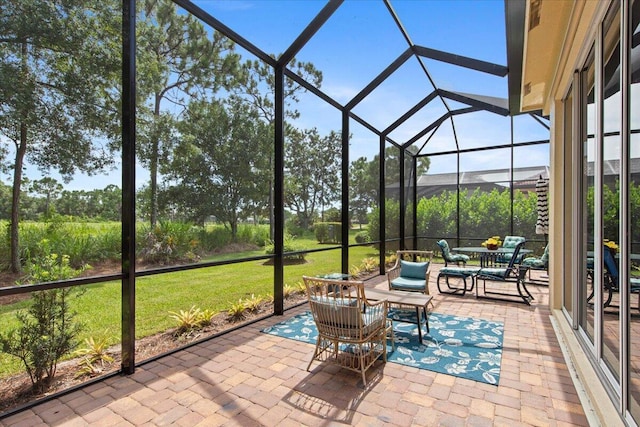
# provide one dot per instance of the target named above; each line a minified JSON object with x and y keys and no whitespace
{"x":460,"y":346}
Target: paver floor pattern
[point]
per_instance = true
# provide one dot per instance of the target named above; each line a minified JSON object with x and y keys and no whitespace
{"x":247,"y":378}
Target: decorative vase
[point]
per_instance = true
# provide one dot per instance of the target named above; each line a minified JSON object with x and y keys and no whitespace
{"x":492,"y":247}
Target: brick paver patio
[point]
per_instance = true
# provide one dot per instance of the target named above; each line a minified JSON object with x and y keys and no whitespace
{"x":248,"y":378}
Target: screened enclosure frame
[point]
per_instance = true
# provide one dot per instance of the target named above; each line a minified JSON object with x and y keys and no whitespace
{"x":473,"y":103}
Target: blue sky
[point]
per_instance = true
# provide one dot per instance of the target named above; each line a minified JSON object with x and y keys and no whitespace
{"x":361,"y":39}
{"x":357,"y":43}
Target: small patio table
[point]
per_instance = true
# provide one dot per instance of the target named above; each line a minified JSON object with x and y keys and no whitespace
{"x":411,"y":299}
{"x":488,"y":257}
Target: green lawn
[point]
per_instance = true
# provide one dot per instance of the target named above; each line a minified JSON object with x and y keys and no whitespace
{"x":214,"y":288}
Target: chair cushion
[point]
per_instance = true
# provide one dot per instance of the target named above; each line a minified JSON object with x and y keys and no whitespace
{"x":343,"y":313}
{"x":413,"y":270}
{"x":448,"y":256}
{"x":458,"y":271}
{"x":542,"y":262}
{"x":335,"y":302}
{"x":444,"y":246}
{"x":493,"y":272}
{"x":459,"y":258}
{"x":534,"y":262}
{"x":512,"y":241}
{"x":545,"y":254}
{"x":635,"y":284}
{"x":409,"y":284}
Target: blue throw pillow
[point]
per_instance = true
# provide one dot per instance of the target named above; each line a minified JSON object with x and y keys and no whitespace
{"x":413,"y":270}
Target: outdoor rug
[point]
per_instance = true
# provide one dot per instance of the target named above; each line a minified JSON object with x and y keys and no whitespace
{"x":460,"y":346}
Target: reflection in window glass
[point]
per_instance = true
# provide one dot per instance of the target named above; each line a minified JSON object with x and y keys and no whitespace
{"x":588,"y":173}
{"x":610,"y":190}
{"x":634,"y":215}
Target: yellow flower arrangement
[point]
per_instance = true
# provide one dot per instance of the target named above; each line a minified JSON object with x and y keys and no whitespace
{"x":613,"y":246}
{"x":492,"y":242}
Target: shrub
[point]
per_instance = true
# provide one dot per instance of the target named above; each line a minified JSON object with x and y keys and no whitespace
{"x":290,"y":245}
{"x":47,"y":330}
{"x":294,"y":227}
{"x":49,"y":268}
{"x":260,"y":235}
{"x":355,"y":270}
{"x":332,"y":215}
{"x":363,"y":237}
{"x":300,"y":287}
{"x":170,"y":241}
{"x":366,"y":266}
{"x":252,"y":234}
{"x":206,"y":316}
{"x":390,"y":260}
{"x":46,"y":333}
{"x":214,"y":237}
{"x":328,"y":232}
{"x":370,"y":264}
{"x":392,"y":209}
{"x":82,"y":242}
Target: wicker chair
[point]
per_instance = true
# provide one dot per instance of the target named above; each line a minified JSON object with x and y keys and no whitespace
{"x":352,"y":331}
{"x":411,"y":271}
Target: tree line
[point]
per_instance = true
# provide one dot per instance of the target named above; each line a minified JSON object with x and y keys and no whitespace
{"x":204,"y":115}
{"x":45,"y":198}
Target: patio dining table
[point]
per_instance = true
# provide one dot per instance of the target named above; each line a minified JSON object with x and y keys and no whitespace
{"x":488,"y":257}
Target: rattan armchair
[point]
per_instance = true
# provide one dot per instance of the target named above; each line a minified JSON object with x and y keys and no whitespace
{"x":352,"y":331}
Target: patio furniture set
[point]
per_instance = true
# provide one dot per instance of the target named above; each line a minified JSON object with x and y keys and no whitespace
{"x":506,"y":265}
{"x":353,"y":324}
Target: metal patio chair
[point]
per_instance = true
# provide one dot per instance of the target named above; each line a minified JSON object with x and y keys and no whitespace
{"x":512,"y":273}
{"x":455,"y":276}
